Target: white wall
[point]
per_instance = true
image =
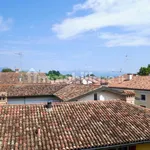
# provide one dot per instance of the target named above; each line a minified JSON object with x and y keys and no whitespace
{"x":101,"y":96}
{"x":108,"y":96}
{"x":87,"y":97}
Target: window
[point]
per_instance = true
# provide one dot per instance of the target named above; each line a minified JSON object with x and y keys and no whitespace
{"x":143,"y":97}
{"x":95,"y":96}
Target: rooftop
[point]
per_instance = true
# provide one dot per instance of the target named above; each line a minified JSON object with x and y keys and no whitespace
{"x":73,"y":91}
{"x":19,"y":90}
{"x":74,"y":125}
{"x":137,"y":82}
{"x":14,"y":77}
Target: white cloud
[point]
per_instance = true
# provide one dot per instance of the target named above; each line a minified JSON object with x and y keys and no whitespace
{"x":130,"y":15}
{"x":131,"y":39}
{"x":5,"y":24}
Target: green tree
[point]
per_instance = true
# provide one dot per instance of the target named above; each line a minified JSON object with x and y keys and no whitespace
{"x":54,"y":72}
{"x":7,"y":70}
{"x":54,"y":75}
{"x":144,"y":71}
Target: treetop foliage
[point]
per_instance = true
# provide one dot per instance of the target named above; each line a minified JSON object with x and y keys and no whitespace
{"x":144,"y":71}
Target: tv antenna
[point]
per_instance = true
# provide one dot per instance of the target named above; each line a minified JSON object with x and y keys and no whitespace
{"x":121,"y":69}
{"x":20,"y":54}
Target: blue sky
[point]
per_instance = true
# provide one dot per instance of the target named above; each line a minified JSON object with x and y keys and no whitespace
{"x":94,"y":35}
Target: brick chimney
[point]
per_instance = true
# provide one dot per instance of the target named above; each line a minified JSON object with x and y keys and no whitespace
{"x":130,"y":96}
{"x":3,"y":98}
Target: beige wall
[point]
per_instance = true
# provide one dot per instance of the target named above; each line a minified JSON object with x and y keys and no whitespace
{"x":138,"y":100}
{"x":101,"y":96}
{"x":87,"y":97}
{"x":130,"y":99}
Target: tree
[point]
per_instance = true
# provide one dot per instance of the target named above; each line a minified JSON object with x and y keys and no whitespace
{"x":7,"y":70}
{"x":54,"y":75}
{"x":144,"y":71}
{"x":53,"y":72}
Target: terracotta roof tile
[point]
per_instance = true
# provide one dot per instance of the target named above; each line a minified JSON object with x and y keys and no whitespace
{"x":14,"y":78}
{"x":15,"y":90}
{"x":71,"y":126}
{"x":74,"y":90}
{"x":138,"y":82}
{"x":129,"y":92}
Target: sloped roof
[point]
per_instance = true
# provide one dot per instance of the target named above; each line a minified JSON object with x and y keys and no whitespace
{"x":137,"y":82}
{"x":13,"y":77}
{"x":73,"y":91}
{"x":72,"y":126}
{"x":20,"y":90}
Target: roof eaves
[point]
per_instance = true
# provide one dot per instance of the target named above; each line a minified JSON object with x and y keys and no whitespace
{"x":117,"y":146}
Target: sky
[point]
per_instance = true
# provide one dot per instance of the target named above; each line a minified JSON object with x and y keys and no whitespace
{"x":75,"y":35}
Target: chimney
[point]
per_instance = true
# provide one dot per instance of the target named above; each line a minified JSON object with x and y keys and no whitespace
{"x":129,"y":77}
{"x":3,"y":98}
{"x":49,"y":104}
{"x":17,"y":70}
{"x":20,"y":79}
{"x":104,"y":83}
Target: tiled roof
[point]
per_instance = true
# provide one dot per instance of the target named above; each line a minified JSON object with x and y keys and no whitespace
{"x":72,"y":126}
{"x":14,"y":78}
{"x":74,"y":90}
{"x":16,"y":90}
{"x":129,"y":92}
{"x":138,"y":82}
{"x":9,"y":77}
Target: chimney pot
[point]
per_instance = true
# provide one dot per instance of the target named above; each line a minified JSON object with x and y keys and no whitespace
{"x":16,"y":70}
{"x":130,"y":76}
{"x":49,"y":104}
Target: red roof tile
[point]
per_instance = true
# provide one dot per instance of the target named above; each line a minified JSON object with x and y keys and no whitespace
{"x":71,"y":126}
{"x":14,"y":78}
{"x":138,"y":82}
{"x":74,"y":90}
{"x":16,"y":90}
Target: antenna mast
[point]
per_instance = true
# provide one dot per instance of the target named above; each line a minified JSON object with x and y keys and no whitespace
{"x":20,"y":54}
{"x":121,"y":69}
